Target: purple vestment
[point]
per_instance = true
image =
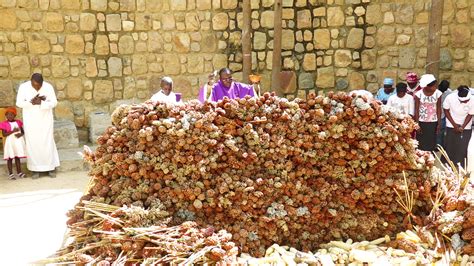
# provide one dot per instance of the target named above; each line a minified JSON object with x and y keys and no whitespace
{"x":219,"y":91}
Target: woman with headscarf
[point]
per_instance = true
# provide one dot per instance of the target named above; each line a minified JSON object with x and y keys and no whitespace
{"x":412,"y":82}
{"x":459,"y":109}
{"x":384,"y":93}
{"x":428,"y":113}
{"x":165,"y":95}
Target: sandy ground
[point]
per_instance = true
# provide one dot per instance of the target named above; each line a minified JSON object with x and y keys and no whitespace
{"x":32,"y":215}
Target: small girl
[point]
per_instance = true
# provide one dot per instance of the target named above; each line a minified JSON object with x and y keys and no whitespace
{"x":14,"y":147}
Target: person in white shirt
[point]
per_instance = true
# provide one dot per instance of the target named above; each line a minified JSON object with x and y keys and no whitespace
{"x":459,"y":109}
{"x":402,"y":102}
{"x":166,"y":94}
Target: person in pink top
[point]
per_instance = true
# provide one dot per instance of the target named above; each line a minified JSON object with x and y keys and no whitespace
{"x":14,"y":147}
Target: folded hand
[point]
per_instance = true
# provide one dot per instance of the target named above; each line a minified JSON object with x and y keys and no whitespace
{"x":37,"y":100}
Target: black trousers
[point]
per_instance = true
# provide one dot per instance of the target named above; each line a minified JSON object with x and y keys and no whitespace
{"x":427,"y":138}
{"x":456,"y":145}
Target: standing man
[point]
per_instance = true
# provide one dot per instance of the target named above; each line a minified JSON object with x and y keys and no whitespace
{"x":227,"y":87}
{"x":37,"y":99}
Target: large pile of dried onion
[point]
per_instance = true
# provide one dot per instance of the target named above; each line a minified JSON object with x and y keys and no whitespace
{"x":267,"y":170}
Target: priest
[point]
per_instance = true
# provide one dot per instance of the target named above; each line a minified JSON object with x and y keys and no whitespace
{"x":226,"y":87}
{"x":37,"y":100}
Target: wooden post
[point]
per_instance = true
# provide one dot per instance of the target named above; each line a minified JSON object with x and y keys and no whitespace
{"x":276,"y":63}
{"x":246,"y":41}
{"x":434,"y":37}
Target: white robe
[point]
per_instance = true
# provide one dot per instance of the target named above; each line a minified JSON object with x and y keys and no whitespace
{"x":38,"y":121}
{"x":161,"y":97}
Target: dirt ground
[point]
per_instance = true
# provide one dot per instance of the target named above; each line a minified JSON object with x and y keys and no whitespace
{"x":32,"y":215}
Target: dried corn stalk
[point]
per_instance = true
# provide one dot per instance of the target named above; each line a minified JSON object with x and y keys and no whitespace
{"x":109,"y":234}
{"x":267,"y":170}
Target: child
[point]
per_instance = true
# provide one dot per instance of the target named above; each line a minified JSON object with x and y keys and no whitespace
{"x":166,"y":94}
{"x":402,"y":102}
{"x":428,"y":113}
{"x":14,"y":147}
{"x":384,"y":93}
{"x":205,"y":91}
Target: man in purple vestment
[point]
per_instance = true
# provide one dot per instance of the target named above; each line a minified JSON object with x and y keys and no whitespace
{"x":225,"y":87}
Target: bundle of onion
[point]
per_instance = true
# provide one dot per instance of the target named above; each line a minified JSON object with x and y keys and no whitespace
{"x":265,"y":169}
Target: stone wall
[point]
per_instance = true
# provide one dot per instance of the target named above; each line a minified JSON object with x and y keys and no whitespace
{"x":98,"y":52}
{"x":354,"y":44}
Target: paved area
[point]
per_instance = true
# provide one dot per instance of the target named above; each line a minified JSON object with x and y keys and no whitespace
{"x":69,"y":158}
{"x":32,"y":215}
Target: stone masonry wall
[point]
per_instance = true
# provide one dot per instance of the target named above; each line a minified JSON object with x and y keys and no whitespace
{"x":98,"y":53}
{"x":354,"y":44}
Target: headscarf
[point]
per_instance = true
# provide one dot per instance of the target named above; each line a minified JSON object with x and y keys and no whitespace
{"x":426,"y":79}
{"x":467,"y":91}
{"x":463,"y":99}
{"x":388,"y":81}
{"x":412,"y":77}
{"x":11,"y":110}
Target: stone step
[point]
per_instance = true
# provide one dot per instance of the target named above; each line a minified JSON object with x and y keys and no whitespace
{"x":69,"y":158}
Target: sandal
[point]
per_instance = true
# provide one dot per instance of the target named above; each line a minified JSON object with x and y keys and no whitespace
{"x":21,"y":175}
{"x":11,"y":177}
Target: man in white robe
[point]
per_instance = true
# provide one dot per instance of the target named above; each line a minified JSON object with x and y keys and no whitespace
{"x":37,"y":99}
